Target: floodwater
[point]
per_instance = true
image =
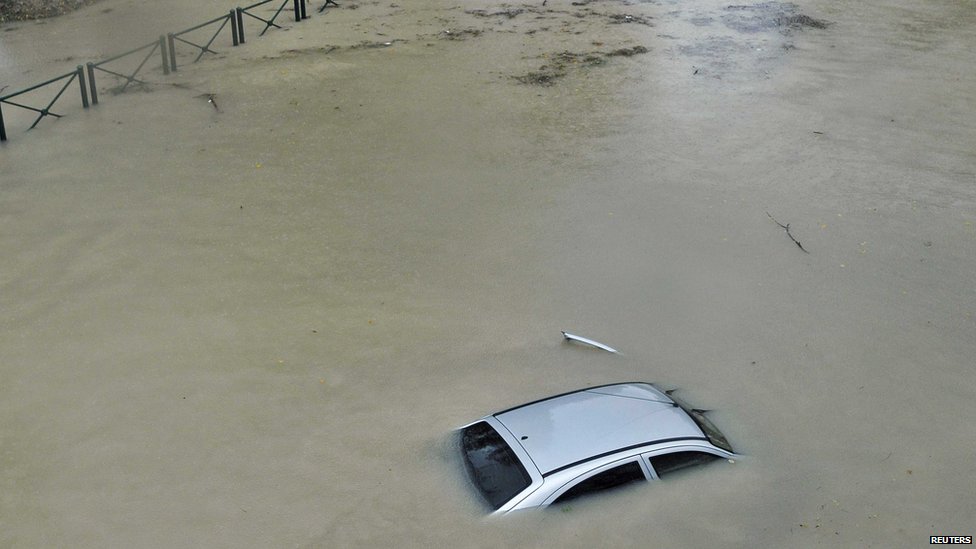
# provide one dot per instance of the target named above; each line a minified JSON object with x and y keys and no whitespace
{"x":252,"y":323}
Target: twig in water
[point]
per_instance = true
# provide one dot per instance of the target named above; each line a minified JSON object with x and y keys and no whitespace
{"x":787,"y":229}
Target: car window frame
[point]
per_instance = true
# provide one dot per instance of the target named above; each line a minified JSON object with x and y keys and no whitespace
{"x":586,"y":475}
{"x":646,"y":456}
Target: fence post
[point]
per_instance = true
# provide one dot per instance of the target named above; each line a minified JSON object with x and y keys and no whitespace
{"x":162,"y":53}
{"x":240,"y":25}
{"x":3,"y":132}
{"x":233,"y":26}
{"x":172,"y":52}
{"x":91,"y":83}
{"x":304,"y":14}
{"x":298,"y":11}
{"x":84,"y":89}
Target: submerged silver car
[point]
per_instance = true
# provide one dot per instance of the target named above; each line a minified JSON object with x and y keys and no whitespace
{"x":560,"y":448}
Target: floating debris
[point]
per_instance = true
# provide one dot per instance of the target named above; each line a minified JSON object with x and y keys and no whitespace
{"x":788,"y":233}
{"x":620,"y":18}
{"x":366,"y":44}
{"x":545,"y":77}
{"x":627,"y":52}
{"x":768,"y":16}
{"x":597,"y":344}
{"x":510,"y":13}
{"x":462,"y":34}
{"x":797,"y":21}
{"x":212,"y":99}
{"x":559,"y":64}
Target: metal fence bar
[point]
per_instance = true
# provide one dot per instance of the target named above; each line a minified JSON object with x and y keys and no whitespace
{"x":42,"y":112}
{"x":130,"y":52}
{"x":240,"y":24}
{"x":139,"y":68}
{"x":84,"y":90}
{"x":91,"y":83}
{"x":58,"y":96}
{"x":34,"y":87}
{"x":200,"y":26}
{"x":128,"y":78}
{"x":268,"y":23}
{"x":172,"y":51}
{"x":256,"y":4}
{"x":162,"y":53}
{"x":233,"y":27}
{"x":131,"y":77}
{"x":205,"y":48}
{"x":46,"y":111}
{"x":327,"y":4}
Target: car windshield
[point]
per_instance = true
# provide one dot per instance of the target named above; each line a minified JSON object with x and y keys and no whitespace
{"x":711,"y":431}
{"x":494,"y":468}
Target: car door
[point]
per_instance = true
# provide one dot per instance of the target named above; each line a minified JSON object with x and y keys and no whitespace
{"x":614,"y":475}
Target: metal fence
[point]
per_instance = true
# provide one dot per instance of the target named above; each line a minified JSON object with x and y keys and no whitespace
{"x":165,"y":47}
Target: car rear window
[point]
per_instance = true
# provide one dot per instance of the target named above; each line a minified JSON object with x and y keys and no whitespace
{"x":494,"y":468}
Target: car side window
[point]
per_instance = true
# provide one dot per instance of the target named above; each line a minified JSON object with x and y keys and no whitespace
{"x":666,"y":464}
{"x":611,"y":478}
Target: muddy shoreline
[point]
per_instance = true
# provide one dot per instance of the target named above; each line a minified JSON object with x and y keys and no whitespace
{"x":21,"y":10}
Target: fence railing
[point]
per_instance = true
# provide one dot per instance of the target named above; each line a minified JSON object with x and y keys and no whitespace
{"x":165,"y":47}
{"x":174,"y":37}
{"x":153,"y":47}
{"x":78,"y":73}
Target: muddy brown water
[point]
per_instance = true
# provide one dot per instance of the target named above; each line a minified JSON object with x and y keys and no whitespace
{"x":254,"y":327}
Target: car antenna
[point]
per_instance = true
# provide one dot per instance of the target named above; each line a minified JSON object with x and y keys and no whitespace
{"x":597,"y":344}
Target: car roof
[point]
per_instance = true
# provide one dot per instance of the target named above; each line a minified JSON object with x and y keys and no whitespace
{"x":568,"y":429}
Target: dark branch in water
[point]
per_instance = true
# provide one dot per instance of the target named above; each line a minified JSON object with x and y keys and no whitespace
{"x":787,"y":229}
